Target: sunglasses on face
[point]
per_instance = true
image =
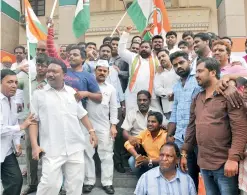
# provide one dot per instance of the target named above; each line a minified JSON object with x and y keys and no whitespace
{"x":40,"y":49}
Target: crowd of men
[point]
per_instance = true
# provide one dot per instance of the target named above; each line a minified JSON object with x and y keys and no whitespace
{"x":167,"y":108}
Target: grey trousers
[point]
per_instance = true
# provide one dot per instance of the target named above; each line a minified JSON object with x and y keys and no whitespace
{"x":32,"y":165}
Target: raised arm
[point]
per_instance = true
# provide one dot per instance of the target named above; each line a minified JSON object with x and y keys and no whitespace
{"x":123,"y":52}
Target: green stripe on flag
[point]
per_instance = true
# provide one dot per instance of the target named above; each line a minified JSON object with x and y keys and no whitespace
{"x":137,"y":16}
{"x":10,"y":11}
{"x":41,"y":27}
{"x":32,"y":49}
{"x":67,"y":2}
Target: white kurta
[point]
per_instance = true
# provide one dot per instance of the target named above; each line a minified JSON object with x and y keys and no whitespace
{"x":99,"y":116}
{"x":163,"y":86}
{"x":143,"y":77}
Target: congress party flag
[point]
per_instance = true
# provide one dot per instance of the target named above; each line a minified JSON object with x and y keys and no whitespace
{"x":144,"y":12}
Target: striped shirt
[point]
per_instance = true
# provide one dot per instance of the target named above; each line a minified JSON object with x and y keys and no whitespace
{"x":153,"y":183}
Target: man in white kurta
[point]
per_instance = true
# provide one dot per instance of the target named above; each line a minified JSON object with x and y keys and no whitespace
{"x":61,"y":137}
{"x":105,"y":127}
{"x":141,"y":70}
{"x":165,"y":81}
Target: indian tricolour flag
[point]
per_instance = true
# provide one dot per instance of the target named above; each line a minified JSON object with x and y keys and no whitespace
{"x":81,"y":20}
{"x":34,"y":29}
{"x":144,"y":12}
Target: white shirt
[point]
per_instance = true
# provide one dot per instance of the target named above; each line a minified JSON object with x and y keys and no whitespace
{"x":113,"y":79}
{"x":163,"y":86}
{"x":234,"y":58}
{"x":174,"y":49}
{"x":143,"y":77}
{"x":58,"y":114}
{"x":99,"y":113}
{"x":10,"y":129}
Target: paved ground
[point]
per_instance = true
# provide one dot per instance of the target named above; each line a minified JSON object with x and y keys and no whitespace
{"x":118,"y":191}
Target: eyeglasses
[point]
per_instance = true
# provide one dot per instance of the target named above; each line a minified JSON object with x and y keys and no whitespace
{"x":40,"y":49}
{"x":62,"y":50}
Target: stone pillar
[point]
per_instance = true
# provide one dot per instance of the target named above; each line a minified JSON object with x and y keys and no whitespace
{"x":232,"y":18}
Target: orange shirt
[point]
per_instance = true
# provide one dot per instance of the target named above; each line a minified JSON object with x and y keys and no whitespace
{"x":151,"y":145}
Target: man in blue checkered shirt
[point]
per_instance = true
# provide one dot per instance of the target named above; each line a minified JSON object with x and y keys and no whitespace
{"x":184,"y":91}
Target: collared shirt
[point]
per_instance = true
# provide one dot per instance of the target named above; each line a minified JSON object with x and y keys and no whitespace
{"x":194,"y":62}
{"x":153,"y":182}
{"x":174,"y":49}
{"x":163,"y":86}
{"x":151,"y":145}
{"x":115,"y":82}
{"x":99,"y":113}
{"x":10,"y":129}
{"x":124,"y":70}
{"x":24,"y":85}
{"x":218,"y":129}
{"x":236,"y":69}
{"x":234,"y":58}
{"x":183,"y":96}
{"x":135,"y":121}
{"x":58,"y":114}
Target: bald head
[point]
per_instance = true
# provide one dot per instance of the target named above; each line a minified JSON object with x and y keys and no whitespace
{"x":41,"y":47}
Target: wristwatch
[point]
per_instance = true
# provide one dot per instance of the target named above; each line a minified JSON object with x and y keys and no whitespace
{"x":150,"y":164}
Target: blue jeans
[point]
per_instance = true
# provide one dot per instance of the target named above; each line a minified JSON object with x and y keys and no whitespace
{"x":193,"y":168}
{"x":216,"y":183}
{"x":137,"y":171}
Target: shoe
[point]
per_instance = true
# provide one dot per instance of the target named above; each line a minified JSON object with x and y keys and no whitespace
{"x":87,"y":188}
{"x":109,"y":189}
{"x":28,"y":190}
{"x":119,"y":167}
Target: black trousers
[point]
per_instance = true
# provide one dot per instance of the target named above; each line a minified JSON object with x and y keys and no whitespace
{"x":11,"y":176}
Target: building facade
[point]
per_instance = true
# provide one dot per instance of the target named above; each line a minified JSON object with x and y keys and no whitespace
{"x":217,"y":16}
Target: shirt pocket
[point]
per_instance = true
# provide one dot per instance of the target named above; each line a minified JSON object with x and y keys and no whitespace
{"x":72,"y":106}
{"x":106,"y":98}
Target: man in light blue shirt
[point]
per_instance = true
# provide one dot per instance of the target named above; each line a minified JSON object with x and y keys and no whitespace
{"x":184,"y":92}
{"x":166,"y":178}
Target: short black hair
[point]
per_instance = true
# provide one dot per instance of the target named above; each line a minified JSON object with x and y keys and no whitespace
{"x":144,"y":92}
{"x":105,"y":45}
{"x":228,"y":39}
{"x":58,"y":62}
{"x":187,"y":33}
{"x":175,"y":146}
{"x":20,"y":47}
{"x":157,"y":37}
{"x":165,"y":50}
{"x":90,"y":43}
{"x":204,"y":37}
{"x":42,"y":58}
{"x":211,"y":64}
{"x":115,"y":39}
{"x":106,"y":39}
{"x":82,"y":51}
{"x":157,"y":115}
{"x":213,"y":36}
{"x":169,"y":33}
{"x":179,"y":54}
{"x":137,"y":36}
{"x":68,"y":48}
{"x":134,"y":43}
{"x":182,"y":42}
{"x":146,"y":42}
{"x":245,"y":42}
{"x":81,"y":43}
{"x":6,"y":72}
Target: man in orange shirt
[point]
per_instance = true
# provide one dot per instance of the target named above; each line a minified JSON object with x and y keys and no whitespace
{"x":150,"y":140}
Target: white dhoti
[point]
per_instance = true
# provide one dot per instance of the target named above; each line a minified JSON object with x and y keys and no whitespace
{"x":52,"y":174}
{"x":105,"y":152}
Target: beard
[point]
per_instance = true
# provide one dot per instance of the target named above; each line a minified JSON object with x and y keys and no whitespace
{"x":144,"y":54}
{"x":183,"y":73}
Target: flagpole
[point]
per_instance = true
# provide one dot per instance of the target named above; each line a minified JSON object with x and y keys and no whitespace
{"x":118,"y":23}
{"x":52,"y":11}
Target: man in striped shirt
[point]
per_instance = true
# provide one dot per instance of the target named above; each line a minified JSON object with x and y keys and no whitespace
{"x":166,"y":178}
